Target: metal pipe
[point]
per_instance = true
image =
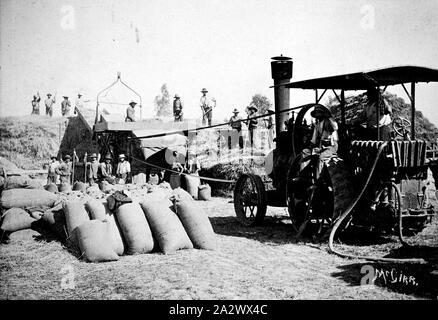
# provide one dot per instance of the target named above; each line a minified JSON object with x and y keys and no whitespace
{"x":281,"y":70}
{"x":413,"y":110}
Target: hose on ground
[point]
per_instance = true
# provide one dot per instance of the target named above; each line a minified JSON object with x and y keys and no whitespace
{"x":349,"y":210}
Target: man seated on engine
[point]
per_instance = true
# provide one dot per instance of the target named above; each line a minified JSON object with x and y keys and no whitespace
{"x":324,"y":140}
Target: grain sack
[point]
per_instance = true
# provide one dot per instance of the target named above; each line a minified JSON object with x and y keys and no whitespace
{"x":16,"y":219}
{"x":22,"y":198}
{"x":79,"y":186}
{"x":105,"y":187}
{"x":192,"y":184}
{"x":75,"y":215}
{"x":64,"y":187}
{"x":100,"y":211}
{"x":135,"y":228}
{"x":51,"y":187}
{"x":180,"y":194}
{"x":166,"y":227}
{"x":196,"y":223}
{"x":96,"y":210}
{"x":175,"y":180}
{"x":154,"y":179}
{"x":55,"y":220}
{"x":21,"y":182}
{"x":95,"y":242}
{"x":204,"y":192}
{"x":37,"y":215}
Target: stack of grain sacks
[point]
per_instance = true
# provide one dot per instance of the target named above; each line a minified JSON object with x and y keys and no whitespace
{"x":159,"y":222}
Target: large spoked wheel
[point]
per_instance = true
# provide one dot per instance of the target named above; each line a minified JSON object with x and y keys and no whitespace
{"x":402,"y":127}
{"x":250,"y":200}
{"x":308,"y":200}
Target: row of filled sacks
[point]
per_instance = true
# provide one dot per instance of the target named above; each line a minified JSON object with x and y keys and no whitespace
{"x":136,"y":228}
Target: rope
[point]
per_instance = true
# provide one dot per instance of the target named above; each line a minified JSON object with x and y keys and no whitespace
{"x":348,"y":211}
{"x":185,"y":174}
{"x":213,"y":126}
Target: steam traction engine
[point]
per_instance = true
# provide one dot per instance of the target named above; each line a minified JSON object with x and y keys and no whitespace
{"x":365,"y":176}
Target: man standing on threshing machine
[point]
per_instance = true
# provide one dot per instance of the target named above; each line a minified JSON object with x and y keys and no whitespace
{"x":236,"y":124}
{"x":177,"y":108}
{"x":49,"y":102}
{"x":251,"y":123}
{"x":130,"y":112}
{"x":105,"y":172}
{"x":369,"y":116}
{"x":52,"y":176}
{"x":79,"y":103}
{"x":324,"y":140}
{"x":36,"y":104}
{"x":123,"y":169}
{"x":207,"y":104}
{"x":64,"y":170}
{"x":65,"y":107}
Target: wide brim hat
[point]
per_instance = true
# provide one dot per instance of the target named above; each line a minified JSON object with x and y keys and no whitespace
{"x":236,"y":111}
{"x":108,"y":157}
{"x":176,"y":96}
{"x":132,"y":103}
{"x":204,"y":90}
{"x":67,"y":157}
{"x":49,"y":94}
{"x":54,"y":157}
{"x":93,"y":155}
{"x":253,"y":108}
{"x":65,"y":97}
{"x":320,"y":110}
{"x":122,"y":156}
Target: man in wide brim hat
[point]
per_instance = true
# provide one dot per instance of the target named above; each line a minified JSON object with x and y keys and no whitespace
{"x":321,"y":112}
{"x":253,"y":108}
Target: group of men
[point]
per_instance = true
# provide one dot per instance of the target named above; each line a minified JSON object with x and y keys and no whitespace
{"x":50,"y":102}
{"x":61,"y":172}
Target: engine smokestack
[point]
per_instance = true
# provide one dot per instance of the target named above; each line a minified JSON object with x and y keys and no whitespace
{"x":281,"y":68}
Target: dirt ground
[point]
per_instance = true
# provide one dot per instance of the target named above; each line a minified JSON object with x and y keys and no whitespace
{"x":250,"y":263}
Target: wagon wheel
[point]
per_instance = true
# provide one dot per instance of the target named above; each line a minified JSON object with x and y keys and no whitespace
{"x":308,"y":199}
{"x":401,"y":127}
{"x":250,"y":200}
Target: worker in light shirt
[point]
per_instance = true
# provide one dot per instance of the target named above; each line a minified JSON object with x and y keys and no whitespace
{"x":123,"y":169}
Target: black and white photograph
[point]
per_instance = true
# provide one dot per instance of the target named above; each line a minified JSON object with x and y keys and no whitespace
{"x":218,"y":157}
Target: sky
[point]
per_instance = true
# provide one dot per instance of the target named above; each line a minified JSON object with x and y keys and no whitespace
{"x":225,"y":46}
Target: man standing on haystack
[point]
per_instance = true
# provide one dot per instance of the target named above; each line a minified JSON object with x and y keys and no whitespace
{"x":49,"y":102}
{"x":177,"y":108}
{"x":36,"y":104}
{"x":207,"y":104}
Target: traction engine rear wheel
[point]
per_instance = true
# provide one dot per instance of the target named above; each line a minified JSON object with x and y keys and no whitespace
{"x":250,"y":200}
